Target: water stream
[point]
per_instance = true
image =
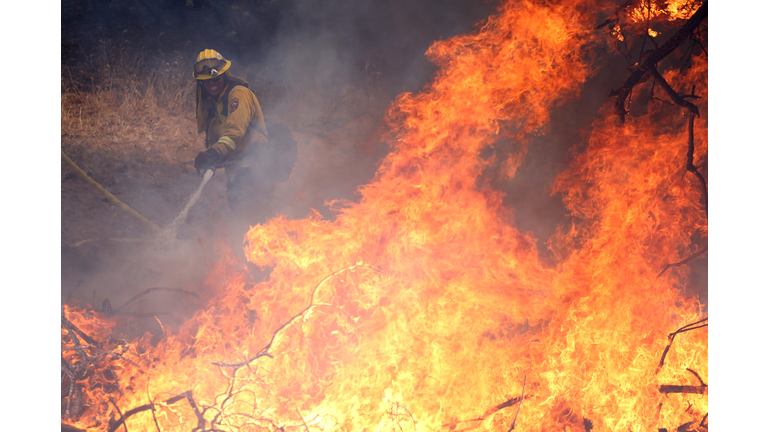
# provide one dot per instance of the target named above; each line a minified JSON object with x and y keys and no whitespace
{"x":168,"y":233}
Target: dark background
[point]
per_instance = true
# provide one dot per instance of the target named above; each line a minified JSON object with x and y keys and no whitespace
{"x":388,"y":36}
{"x":334,"y":45}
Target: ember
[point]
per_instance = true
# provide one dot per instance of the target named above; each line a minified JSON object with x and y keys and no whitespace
{"x":422,"y":306}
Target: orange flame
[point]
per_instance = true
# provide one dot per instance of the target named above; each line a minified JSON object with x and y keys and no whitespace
{"x":671,"y":10}
{"x":422,"y":307}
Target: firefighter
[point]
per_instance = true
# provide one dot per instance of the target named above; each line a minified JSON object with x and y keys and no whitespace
{"x":235,"y":138}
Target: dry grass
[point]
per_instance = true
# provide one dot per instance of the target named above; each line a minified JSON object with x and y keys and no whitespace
{"x":129,"y":123}
{"x":128,"y":100}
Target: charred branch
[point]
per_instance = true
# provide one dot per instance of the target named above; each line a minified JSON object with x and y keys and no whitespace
{"x":78,"y":365}
{"x":75,"y":372}
{"x":605,"y":23}
{"x":659,"y":100}
{"x":230,"y":393}
{"x":68,"y":410}
{"x":685,"y":427}
{"x":645,"y":33}
{"x":67,"y":368}
{"x":304,"y":422}
{"x":698,"y":40}
{"x":522,"y":394}
{"x":90,"y":359}
{"x":655,"y":56}
{"x":120,"y":413}
{"x":200,"y":418}
{"x":683,"y":262}
{"x":154,"y":418}
{"x":264,"y":352}
{"x":69,"y":326}
{"x":688,"y":327}
{"x":74,"y":395}
{"x":165,"y":336}
{"x":688,"y":55}
{"x":615,"y":15}
{"x":696,"y":375}
{"x":499,"y":407}
{"x":149,"y":291}
{"x":395,"y":414}
{"x":690,"y":167}
{"x":664,"y":388}
{"x":186,"y":395}
{"x":486,"y":414}
{"x":79,"y":351}
{"x":676,"y":98}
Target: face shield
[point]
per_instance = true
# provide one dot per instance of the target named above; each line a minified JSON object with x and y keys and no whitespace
{"x":209,"y":68}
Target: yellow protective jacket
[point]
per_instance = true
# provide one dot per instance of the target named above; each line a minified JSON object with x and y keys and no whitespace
{"x":233,"y":122}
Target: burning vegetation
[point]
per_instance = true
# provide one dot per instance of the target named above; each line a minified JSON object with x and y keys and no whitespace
{"x":421,"y":306}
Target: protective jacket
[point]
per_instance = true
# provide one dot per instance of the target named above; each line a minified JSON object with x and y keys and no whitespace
{"x":233,"y":121}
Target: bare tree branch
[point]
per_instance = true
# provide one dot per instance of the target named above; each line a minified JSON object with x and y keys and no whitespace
{"x":522,"y":395}
{"x":685,"y":261}
{"x":688,"y":327}
{"x":154,"y":417}
{"x":119,"y":412}
{"x":664,"y":388}
{"x":68,"y":325}
{"x":696,"y":375}
{"x":68,"y":410}
{"x":645,"y":33}
{"x":690,"y":167}
{"x":151,"y":290}
{"x":187,"y":395}
{"x":615,"y":15}
{"x":655,"y":56}
{"x":399,"y":405}
{"x":264,"y":352}
{"x":302,"y":420}
{"x":672,"y":93}
{"x":200,"y":418}
{"x":488,"y":412}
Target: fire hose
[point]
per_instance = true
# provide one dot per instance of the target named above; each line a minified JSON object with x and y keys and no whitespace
{"x":113,"y":199}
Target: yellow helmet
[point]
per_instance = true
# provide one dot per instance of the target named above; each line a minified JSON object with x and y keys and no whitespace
{"x":210,"y":64}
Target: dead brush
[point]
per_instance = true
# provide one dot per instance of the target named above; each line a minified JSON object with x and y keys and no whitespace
{"x":129,"y":101}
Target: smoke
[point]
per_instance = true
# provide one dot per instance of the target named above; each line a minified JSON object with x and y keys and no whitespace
{"x":338,"y":65}
{"x":329,"y":70}
{"x":529,"y":192}
{"x":169,"y":233}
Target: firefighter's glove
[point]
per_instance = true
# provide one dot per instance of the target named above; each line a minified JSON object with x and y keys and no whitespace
{"x":207,"y":160}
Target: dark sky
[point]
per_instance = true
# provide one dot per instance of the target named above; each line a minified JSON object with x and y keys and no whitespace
{"x":391,"y":36}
